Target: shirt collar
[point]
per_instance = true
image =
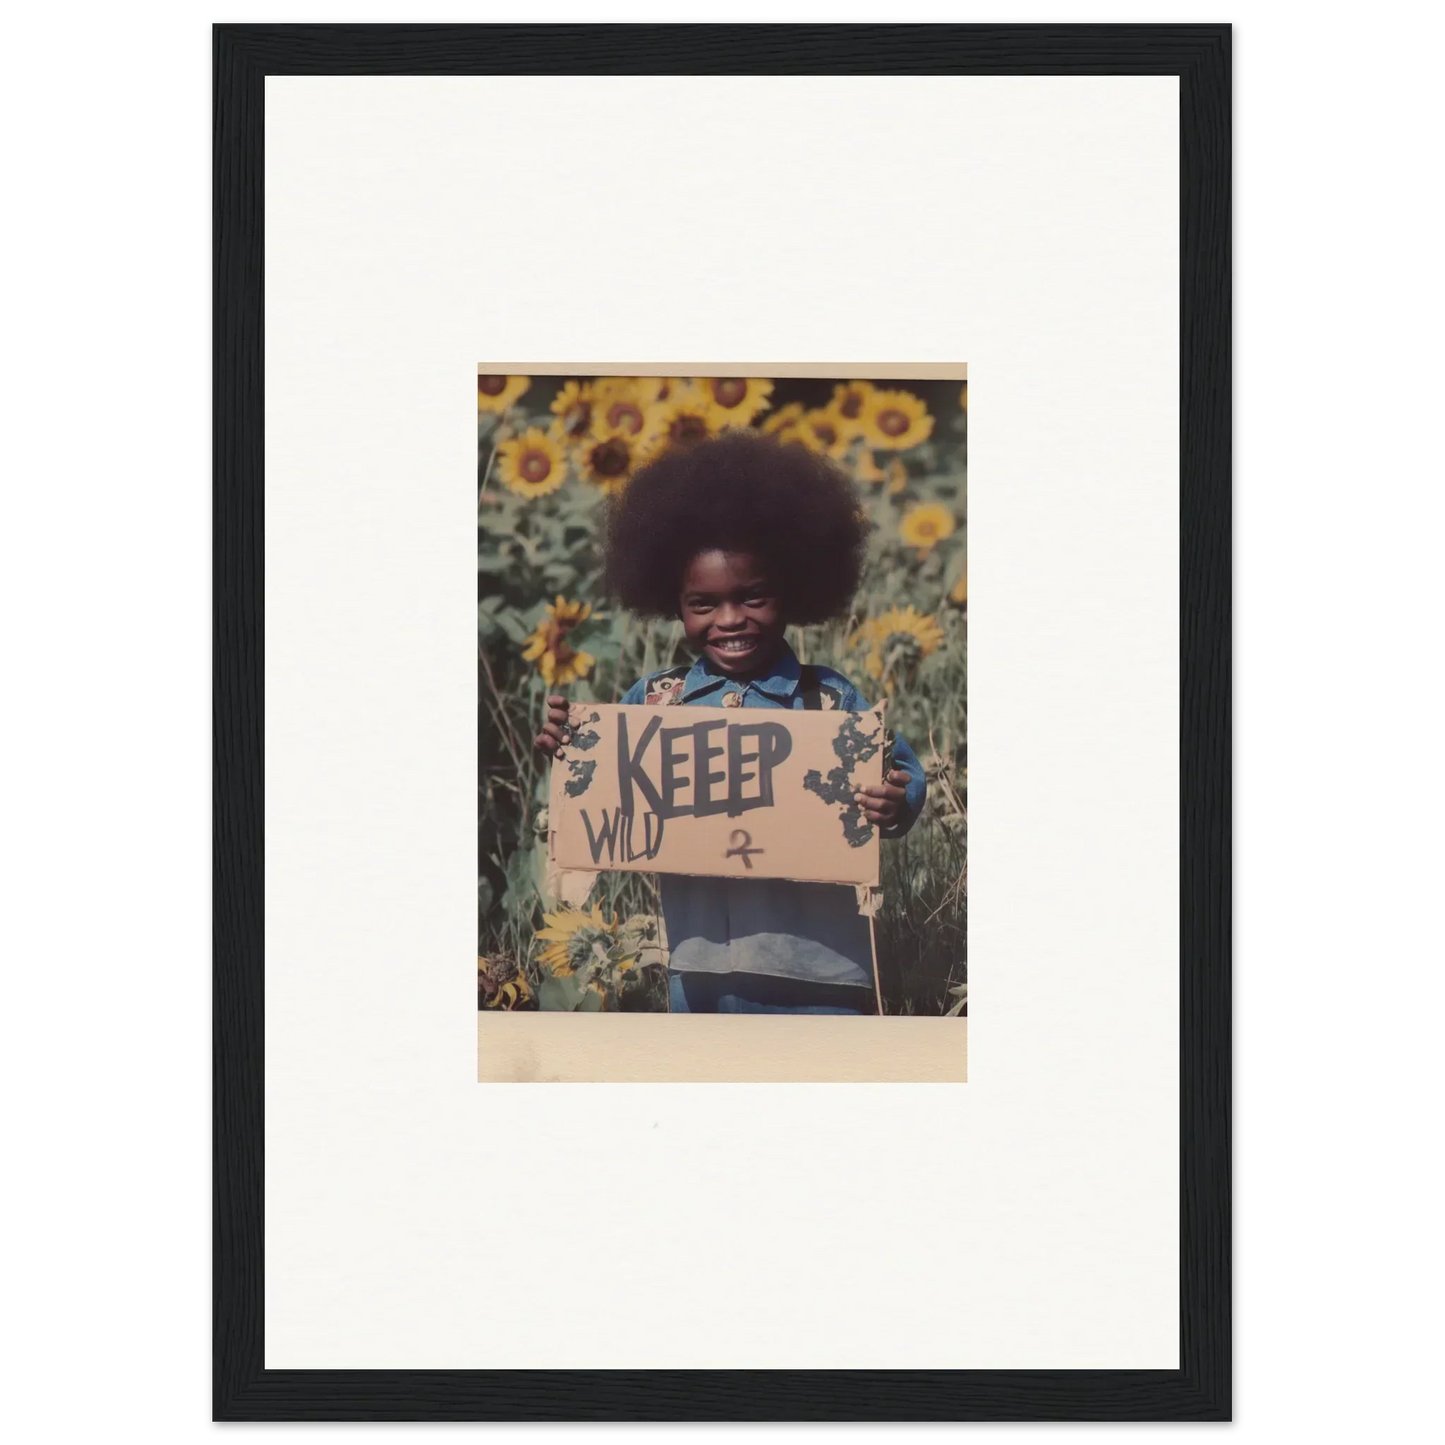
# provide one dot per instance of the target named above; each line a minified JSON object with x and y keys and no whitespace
{"x":780,"y":680}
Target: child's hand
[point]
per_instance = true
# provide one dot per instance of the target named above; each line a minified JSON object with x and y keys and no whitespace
{"x":883,"y":806}
{"x":554,"y":730}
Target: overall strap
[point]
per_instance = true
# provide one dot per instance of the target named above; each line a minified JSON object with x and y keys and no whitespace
{"x":810,"y":688}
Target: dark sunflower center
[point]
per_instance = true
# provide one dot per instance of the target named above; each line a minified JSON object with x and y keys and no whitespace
{"x":852,"y":405}
{"x":581,"y":945}
{"x":904,"y":646}
{"x":625,"y":414}
{"x":554,"y":634}
{"x":535,"y":466}
{"x":491,"y":385}
{"x":892,"y":423}
{"x":687,"y":427}
{"x":610,"y":459}
{"x":826,"y":433}
{"x":730,"y":390}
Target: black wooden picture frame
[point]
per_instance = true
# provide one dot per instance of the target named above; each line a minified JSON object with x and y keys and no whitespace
{"x":243,"y":1389}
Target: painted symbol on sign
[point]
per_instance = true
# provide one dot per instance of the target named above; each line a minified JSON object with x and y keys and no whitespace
{"x":740,"y":845}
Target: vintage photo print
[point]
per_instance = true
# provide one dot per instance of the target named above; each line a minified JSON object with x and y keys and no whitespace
{"x":722,"y":671}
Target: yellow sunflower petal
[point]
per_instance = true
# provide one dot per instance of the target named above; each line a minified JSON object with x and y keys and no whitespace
{"x":851,"y":400}
{"x":569,"y":666}
{"x":626,"y":404}
{"x":735,"y":400}
{"x":867,"y":468}
{"x":895,"y":420}
{"x":497,"y":393}
{"x":685,"y":417}
{"x":784,"y":421}
{"x":573,"y":407}
{"x":927,"y":524}
{"x":532,"y":464}
{"x":610,"y":458}
{"x":821,"y":430}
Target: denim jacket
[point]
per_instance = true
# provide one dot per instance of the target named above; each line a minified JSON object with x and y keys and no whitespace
{"x":808,"y":931}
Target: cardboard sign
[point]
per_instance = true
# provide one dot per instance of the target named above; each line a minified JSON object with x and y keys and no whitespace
{"x":731,"y":792}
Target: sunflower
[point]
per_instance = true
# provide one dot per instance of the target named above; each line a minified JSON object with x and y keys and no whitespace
{"x":821,"y":431}
{"x":497,"y":393}
{"x":926,"y":525}
{"x":556,"y":659}
{"x":624,"y":403}
{"x":736,"y":400}
{"x":867,"y":469}
{"x":658,"y":388}
{"x":582,"y":940}
{"x":959,"y":591}
{"x":687,"y":416}
{"x":783,"y":423}
{"x":532,"y":464}
{"x":572,"y":406}
{"x":648,"y":388}
{"x":851,"y":400}
{"x":609,"y":459}
{"x":897,"y":641}
{"x":895,"y":420}
{"x":897,"y":477}
{"x":501,"y":985}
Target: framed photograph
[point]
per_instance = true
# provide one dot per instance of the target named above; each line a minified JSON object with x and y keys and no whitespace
{"x":850,"y":1032}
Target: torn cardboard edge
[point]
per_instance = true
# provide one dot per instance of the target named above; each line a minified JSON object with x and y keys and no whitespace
{"x":870,"y":899}
{"x":574,"y":887}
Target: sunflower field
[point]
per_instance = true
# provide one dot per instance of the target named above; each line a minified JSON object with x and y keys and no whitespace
{"x":550,"y":450}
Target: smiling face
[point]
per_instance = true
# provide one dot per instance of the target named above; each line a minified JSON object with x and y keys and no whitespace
{"x":730,"y":612}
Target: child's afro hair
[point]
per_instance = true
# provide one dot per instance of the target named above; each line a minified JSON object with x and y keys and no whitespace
{"x":794,"y":510}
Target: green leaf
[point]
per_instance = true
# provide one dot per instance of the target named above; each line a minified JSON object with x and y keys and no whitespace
{"x":513,"y":626}
{"x":564,"y":994}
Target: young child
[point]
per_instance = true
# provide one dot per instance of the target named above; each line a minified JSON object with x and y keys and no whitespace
{"x":739,"y":537}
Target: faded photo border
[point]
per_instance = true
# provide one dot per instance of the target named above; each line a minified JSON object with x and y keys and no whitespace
{"x":562,"y":1047}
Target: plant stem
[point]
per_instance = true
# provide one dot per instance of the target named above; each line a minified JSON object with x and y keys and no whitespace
{"x":499,"y":712}
{"x":487,"y":475}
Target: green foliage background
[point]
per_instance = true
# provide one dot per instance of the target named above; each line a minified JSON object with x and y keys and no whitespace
{"x":531,"y":550}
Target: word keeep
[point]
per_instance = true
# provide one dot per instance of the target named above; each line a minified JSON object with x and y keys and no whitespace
{"x":751,"y":751}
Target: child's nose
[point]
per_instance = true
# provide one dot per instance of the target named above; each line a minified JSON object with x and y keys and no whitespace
{"x":730,"y":615}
